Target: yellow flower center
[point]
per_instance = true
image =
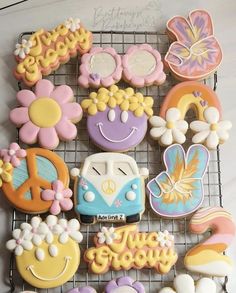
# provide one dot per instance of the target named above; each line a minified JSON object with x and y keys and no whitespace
{"x":126,"y":96}
{"x":214,"y":126}
{"x":143,"y":104}
{"x":170,"y":125}
{"x":95,"y":101}
{"x":110,"y":94}
{"x":45,"y":112}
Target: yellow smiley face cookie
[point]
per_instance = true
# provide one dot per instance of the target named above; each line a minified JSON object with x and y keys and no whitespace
{"x":47,"y":252}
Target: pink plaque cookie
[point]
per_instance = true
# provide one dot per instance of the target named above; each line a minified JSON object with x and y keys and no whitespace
{"x":100,"y":67}
{"x":195,"y":52}
{"x":142,"y":66}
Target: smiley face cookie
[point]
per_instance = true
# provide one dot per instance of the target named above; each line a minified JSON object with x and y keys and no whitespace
{"x":47,"y":252}
{"x":117,"y":118}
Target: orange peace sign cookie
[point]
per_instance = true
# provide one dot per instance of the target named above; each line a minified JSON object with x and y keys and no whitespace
{"x":36,"y":172}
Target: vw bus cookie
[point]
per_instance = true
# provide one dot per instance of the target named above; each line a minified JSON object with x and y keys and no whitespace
{"x":109,"y":187}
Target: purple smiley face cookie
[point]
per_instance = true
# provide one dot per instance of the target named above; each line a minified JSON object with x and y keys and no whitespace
{"x":124,"y":285}
{"x":117,"y":118}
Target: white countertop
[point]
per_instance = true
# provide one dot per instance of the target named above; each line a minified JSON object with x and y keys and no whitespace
{"x":119,"y":15}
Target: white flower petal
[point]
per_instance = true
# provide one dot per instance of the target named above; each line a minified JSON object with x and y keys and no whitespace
{"x":73,"y":224}
{"x":205,"y":283}
{"x":63,"y":238}
{"x":188,"y":282}
{"x":182,"y":125}
{"x":49,"y":238}
{"x":223,"y":135}
{"x":77,"y":236}
{"x":157,"y":132}
{"x":162,"y":243}
{"x":51,"y":220}
{"x":211,"y":115}
{"x":11,"y":244}
{"x":198,"y":126}
{"x":178,"y":136}
{"x":19,"y":250}
{"x":167,"y":137}
{"x":27,"y":245}
{"x":104,"y":230}
{"x":37,"y":240}
{"x":167,"y":290}
{"x":26,"y":226}
{"x":226,"y":125}
{"x":35,"y":221}
{"x":43,"y":228}
{"x":101,"y":239}
{"x":157,"y":121}
{"x":109,"y":240}
{"x":17,"y":52}
{"x":173,"y":114}
{"x":22,"y":54}
{"x":63,"y":223}
{"x":212,"y":140}
{"x":16,"y":233}
{"x":201,"y":136}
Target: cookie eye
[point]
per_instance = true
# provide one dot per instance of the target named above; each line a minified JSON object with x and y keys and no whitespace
{"x":39,"y":253}
{"x":53,"y":250}
{"x":111,"y":115}
{"x":124,"y":116}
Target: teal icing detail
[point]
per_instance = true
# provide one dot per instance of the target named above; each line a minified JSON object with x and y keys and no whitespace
{"x":20,"y":174}
{"x":46,"y":169}
{"x":28,"y":196}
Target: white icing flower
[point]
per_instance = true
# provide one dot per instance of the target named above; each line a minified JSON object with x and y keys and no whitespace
{"x":21,"y":241}
{"x":107,"y":235}
{"x":72,"y":24}
{"x":23,"y":49}
{"x":169,"y":130}
{"x":69,"y":229}
{"x":37,"y":230}
{"x":165,"y":239}
{"x":50,"y":228}
{"x":212,"y":131}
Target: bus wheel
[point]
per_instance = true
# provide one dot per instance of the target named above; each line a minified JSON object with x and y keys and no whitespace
{"x":84,"y":219}
{"x":133,"y":219}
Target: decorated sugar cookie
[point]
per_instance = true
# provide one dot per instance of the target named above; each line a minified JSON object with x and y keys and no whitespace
{"x":47,"y":252}
{"x":86,"y":289}
{"x":25,"y":173}
{"x":124,"y":284}
{"x":185,"y":284}
{"x":125,"y":248}
{"x":100,"y":67}
{"x":109,"y":187}
{"x":195,"y":52}
{"x":207,"y":257}
{"x":142,"y":66}
{"x":45,"y":50}
{"x":117,"y":118}
{"x":46,"y":115}
{"x":178,"y":191}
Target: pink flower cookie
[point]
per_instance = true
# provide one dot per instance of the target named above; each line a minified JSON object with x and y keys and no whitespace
{"x":100,"y":67}
{"x":13,"y":154}
{"x":59,"y":196}
{"x":142,"y":66}
{"x":195,"y":52}
{"x":46,"y":115}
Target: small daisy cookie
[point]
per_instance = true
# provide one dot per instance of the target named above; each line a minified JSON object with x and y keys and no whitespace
{"x":124,"y":284}
{"x":46,"y":115}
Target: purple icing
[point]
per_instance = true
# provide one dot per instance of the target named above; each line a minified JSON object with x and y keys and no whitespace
{"x":94,"y":76}
{"x":203,"y":103}
{"x":197,"y":94}
{"x":83,"y":290}
{"x":124,"y":281}
{"x":116,"y":135}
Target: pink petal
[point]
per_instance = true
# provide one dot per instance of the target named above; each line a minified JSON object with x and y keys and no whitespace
{"x":48,"y":194}
{"x":4,"y":152}
{"x":21,"y":153}
{"x":72,"y":111}
{"x":67,"y":193}
{"x":25,"y":97}
{"x":28,"y":133}
{"x":55,"y":208}
{"x":66,"y":130}
{"x":48,"y":138}
{"x":6,"y":157}
{"x":43,"y":88}
{"x":15,"y":161}
{"x":62,"y":94}
{"x":19,"y":116}
{"x":57,"y":186}
{"x":14,"y":146}
{"x":66,"y":204}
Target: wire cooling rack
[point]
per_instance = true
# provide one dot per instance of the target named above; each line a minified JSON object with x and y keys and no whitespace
{"x":147,"y":154}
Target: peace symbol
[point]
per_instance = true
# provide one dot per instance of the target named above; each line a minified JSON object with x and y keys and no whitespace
{"x":108,"y":186}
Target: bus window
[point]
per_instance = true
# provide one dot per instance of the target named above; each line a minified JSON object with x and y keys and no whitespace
{"x":97,"y":168}
{"x":122,"y":169}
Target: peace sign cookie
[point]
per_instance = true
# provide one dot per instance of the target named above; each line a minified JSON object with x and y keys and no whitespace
{"x":25,"y":176}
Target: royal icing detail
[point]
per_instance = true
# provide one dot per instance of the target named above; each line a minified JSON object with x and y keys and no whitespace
{"x":101,"y":188}
{"x":124,"y":284}
{"x":185,"y":284}
{"x":107,"y":235}
{"x":59,"y":196}
{"x":46,"y":50}
{"x":195,"y":52}
{"x":170,"y":130}
{"x":86,"y":289}
{"x":179,"y":191}
{"x":142,"y":66}
{"x":93,"y":72}
{"x":131,"y":249}
{"x":117,"y":118}
{"x":46,"y":115}
{"x":54,"y":259}
{"x":13,"y":154}
{"x":37,"y":170}
{"x":212,"y":131}
{"x":206,"y":257}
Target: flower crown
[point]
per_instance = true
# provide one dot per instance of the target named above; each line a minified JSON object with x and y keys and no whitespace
{"x":33,"y":234}
{"x":126,"y":99}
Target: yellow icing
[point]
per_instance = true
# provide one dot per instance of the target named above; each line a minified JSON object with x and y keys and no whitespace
{"x":170,"y":125}
{"x":214,"y":127}
{"x":132,"y":249}
{"x":44,"y":112}
{"x":5,"y":172}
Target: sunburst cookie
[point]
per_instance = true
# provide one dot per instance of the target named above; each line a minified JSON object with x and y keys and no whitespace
{"x":117,"y":119}
{"x":47,"y":252}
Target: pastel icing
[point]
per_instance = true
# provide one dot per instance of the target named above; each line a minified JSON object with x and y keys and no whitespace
{"x":185,"y":284}
{"x":13,"y":154}
{"x":46,"y":115}
{"x":124,"y":284}
{"x":142,"y":66}
{"x":22,"y":185}
{"x":109,"y":187}
{"x":5,"y":173}
{"x":46,"y":50}
{"x":93,"y":72}
{"x":86,"y":289}
{"x":207,"y":257}
{"x":117,"y":119}
{"x":178,"y":191}
{"x":195,"y":52}
{"x":47,"y":252}
{"x":131,"y":249}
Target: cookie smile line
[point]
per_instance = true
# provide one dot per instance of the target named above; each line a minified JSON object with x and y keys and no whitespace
{"x":30,"y":268}
{"x":133,"y":129}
